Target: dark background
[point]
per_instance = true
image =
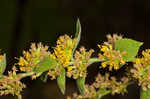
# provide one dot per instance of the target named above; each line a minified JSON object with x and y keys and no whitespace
{"x":26,"y":21}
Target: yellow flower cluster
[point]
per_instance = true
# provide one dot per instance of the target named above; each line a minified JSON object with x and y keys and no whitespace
{"x":32,"y":57}
{"x":63,"y":50}
{"x":141,"y":70}
{"x":113,"y":58}
{"x":62,"y":54}
{"x":80,"y":63}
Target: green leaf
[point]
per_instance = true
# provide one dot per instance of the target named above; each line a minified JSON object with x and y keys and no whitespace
{"x":94,"y":60}
{"x":61,"y":81}
{"x":80,"y":84}
{"x":130,"y":46}
{"x":102,"y":92}
{"x":77,"y":35}
{"x":145,"y":94}
{"x":45,"y":64}
{"x":78,"y":29}
{"x":3,"y":64}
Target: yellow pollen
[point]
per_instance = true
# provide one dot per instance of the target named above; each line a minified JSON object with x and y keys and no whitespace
{"x":104,"y":48}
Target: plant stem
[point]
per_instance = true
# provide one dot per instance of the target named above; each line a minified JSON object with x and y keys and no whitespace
{"x":23,"y":75}
{"x":94,"y":60}
{"x":16,"y":97}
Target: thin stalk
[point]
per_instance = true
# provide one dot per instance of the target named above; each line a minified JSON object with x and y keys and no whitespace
{"x":23,"y":75}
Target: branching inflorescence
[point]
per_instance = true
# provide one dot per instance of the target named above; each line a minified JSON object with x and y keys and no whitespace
{"x":80,"y":63}
{"x":62,"y":54}
{"x":66,"y":61}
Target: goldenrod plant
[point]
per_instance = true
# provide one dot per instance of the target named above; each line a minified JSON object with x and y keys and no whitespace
{"x":65,"y":60}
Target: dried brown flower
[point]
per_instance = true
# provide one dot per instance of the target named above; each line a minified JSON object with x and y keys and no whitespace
{"x":112,"y":39}
{"x":11,"y":85}
{"x":103,"y":85}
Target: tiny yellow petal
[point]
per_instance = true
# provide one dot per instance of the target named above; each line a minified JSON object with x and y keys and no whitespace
{"x":22,"y":69}
{"x":69,"y":68}
{"x":148,"y":50}
{"x":116,"y":66}
{"x":99,"y":45}
{"x":22,"y":62}
{"x":143,"y":53}
{"x":122,"y":61}
{"x":103,"y":64}
{"x":110,"y":47}
{"x":58,"y":42}
{"x":27,"y":55}
{"x":138,"y":61}
{"x":104,"y":48}
{"x":111,"y":63}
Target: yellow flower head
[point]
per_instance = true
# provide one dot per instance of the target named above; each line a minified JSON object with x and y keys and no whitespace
{"x":63,"y":50}
{"x":104,"y":48}
{"x":62,"y":54}
{"x":80,"y":63}
{"x":31,"y":58}
{"x":112,"y":57}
